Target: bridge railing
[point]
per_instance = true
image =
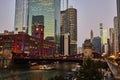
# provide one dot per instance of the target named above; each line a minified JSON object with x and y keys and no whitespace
{"x":114,"y":68}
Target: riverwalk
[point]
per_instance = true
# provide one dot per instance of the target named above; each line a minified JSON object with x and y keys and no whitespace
{"x":115,"y":69}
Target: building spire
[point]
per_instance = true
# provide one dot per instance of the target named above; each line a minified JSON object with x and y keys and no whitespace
{"x":91,"y":35}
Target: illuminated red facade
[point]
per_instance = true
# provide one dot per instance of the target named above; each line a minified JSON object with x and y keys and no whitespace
{"x":38,"y":32}
{"x":25,"y":45}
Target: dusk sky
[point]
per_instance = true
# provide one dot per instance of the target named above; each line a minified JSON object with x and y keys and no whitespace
{"x":90,"y":14}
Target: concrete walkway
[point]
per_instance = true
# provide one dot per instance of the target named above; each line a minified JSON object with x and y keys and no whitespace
{"x":114,"y":69}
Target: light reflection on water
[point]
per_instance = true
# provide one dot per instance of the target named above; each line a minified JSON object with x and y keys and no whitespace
{"x":17,"y":74}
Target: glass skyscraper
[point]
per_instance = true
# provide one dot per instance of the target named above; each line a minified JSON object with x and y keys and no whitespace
{"x":21,"y":15}
{"x":47,"y":12}
{"x":26,"y":10}
{"x":64,"y":5}
{"x":50,"y":9}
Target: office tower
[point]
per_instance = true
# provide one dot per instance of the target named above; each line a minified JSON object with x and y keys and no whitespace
{"x":50,"y":9}
{"x":101,"y":32}
{"x":111,"y":33}
{"x":64,"y":4}
{"x":116,"y":29}
{"x":69,"y":25}
{"x":47,"y":11}
{"x":21,"y":15}
{"x":96,"y":44}
{"x":118,"y":16}
{"x":103,"y":36}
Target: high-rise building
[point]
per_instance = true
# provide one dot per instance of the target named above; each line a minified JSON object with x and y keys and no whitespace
{"x":116,"y":29}
{"x":21,"y":15}
{"x":69,"y":25}
{"x":46,"y":12}
{"x":111,"y":33}
{"x":96,"y":44}
{"x":32,"y":12}
{"x":64,"y":4}
{"x":101,"y":32}
{"x":103,"y":36}
{"x":118,"y":16}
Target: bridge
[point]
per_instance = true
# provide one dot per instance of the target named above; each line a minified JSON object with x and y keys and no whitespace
{"x":23,"y":58}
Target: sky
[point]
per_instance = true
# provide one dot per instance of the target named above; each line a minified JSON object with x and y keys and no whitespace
{"x":90,"y":13}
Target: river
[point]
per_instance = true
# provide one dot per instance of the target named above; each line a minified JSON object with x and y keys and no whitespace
{"x":27,"y":74}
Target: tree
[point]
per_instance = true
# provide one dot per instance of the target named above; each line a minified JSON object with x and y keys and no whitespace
{"x":89,"y":71}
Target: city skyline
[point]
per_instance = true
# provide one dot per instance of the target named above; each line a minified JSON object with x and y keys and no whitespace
{"x":87,"y":10}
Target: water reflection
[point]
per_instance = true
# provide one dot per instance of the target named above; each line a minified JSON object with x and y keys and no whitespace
{"x":26,"y":74}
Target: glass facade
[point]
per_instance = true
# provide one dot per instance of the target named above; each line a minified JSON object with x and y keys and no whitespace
{"x":28,"y":12}
{"x":38,"y":20}
{"x":64,"y":5}
{"x":50,"y":9}
{"x":21,"y":12}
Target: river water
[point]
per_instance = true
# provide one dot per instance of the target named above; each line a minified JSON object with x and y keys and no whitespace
{"x":27,"y":74}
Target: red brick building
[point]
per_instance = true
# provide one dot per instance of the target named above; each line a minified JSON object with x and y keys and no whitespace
{"x":25,"y":45}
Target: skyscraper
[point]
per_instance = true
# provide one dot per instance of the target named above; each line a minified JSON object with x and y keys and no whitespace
{"x":116,"y":29}
{"x":64,"y":4}
{"x":69,"y":25}
{"x":118,"y":16}
{"x":30,"y":12}
{"x":103,"y":36}
{"x":50,"y":9}
{"x":111,"y":32}
{"x":21,"y":15}
{"x":27,"y":11}
{"x":97,"y":44}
